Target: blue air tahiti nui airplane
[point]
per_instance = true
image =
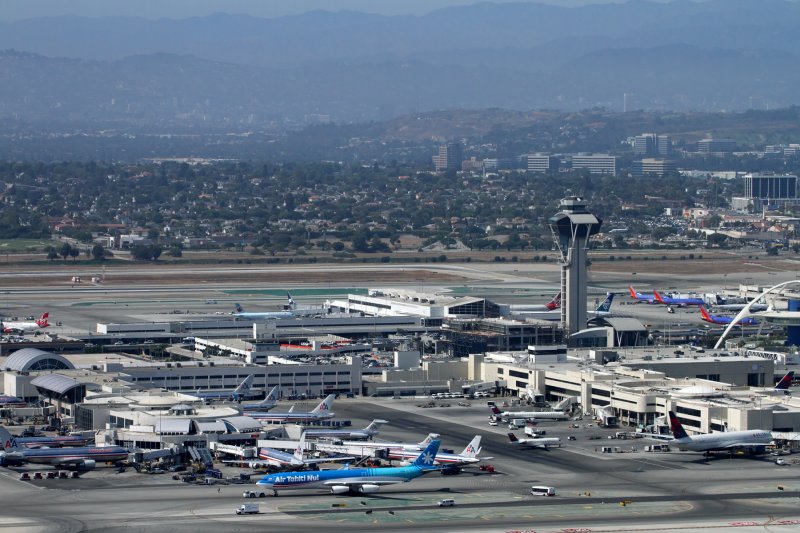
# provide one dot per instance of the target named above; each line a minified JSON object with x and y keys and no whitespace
{"x":353,"y":480}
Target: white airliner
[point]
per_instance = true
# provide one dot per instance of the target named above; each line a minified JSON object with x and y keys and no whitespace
{"x":270,"y":402}
{"x":468,"y":456}
{"x":726,"y":441}
{"x":367,"y":433}
{"x":531,"y":415}
{"x":367,"y":448}
{"x":320,"y":412}
{"x":240,"y":392}
{"x":538,"y":442}
{"x":15,"y":326}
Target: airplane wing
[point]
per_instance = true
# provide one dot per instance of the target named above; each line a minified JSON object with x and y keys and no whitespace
{"x":744,"y":445}
{"x":357,"y":482}
{"x":328,"y":460}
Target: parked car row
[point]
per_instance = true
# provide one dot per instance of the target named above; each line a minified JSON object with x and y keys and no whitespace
{"x":51,"y":474}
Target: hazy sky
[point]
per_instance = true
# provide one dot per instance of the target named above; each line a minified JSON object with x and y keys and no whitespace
{"x":18,"y":9}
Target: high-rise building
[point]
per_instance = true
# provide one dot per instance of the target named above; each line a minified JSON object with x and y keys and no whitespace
{"x":770,"y":186}
{"x":595,"y":163}
{"x":541,"y":163}
{"x":652,"y":144}
{"x":449,"y":157}
{"x":711,"y":146}
{"x":653,"y":167}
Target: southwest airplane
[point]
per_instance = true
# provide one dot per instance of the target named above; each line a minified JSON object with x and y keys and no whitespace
{"x":727,"y":441}
{"x":320,"y":412}
{"x":639,"y":297}
{"x":720,"y":319}
{"x":40,"y":442}
{"x":680,"y":302}
{"x":242,"y":391}
{"x":270,"y":402}
{"x":240,"y":312}
{"x":531,"y":415}
{"x":81,"y":458}
{"x":22,"y":327}
{"x":468,"y":456}
{"x":355,"y":434}
{"x":353,"y":480}
{"x":540,"y":442}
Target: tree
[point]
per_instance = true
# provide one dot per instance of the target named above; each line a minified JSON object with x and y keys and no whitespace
{"x":74,"y":253}
{"x":52,"y":255}
{"x":65,"y":251}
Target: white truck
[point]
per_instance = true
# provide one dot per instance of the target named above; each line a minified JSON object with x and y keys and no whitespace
{"x":247,"y":508}
{"x":533,"y":432}
{"x":255,"y":493}
{"x":516,"y":423}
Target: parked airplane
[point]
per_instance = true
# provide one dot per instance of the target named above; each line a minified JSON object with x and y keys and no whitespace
{"x":784,"y":383}
{"x":468,"y":456}
{"x":289,"y":313}
{"x":680,"y":302}
{"x":356,"y":434}
{"x":531,"y":415}
{"x":321,"y":411}
{"x":353,"y":480}
{"x":279,"y":459}
{"x":604,"y":309}
{"x":720,"y":319}
{"x":639,"y":297}
{"x":540,"y":442}
{"x":552,"y":305}
{"x":80,"y":458}
{"x":240,"y":392}
{"x":9,"y":326}
{"x":367,"y":448}
{"x":726,"y":441}
{"x":10,"y":441}
{"x":270,"y":402}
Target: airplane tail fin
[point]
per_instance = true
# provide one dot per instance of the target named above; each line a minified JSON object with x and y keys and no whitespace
{"x":427,"y":440}
{"x":301,"y":445}
{"x":7,"y":440}
{"x":238,"y":308}
{"x":658,"y":297}
{"x":786,"y":381}
{"x":555,"y":303}
{"x":677,"y":428}
{"x":512,"y":437}
{"x":605,"y":305}
{"x":291,"y":301}
{"x":244,"y":386}
{"x":42,"y":322}
{"x":633,"y":293}
{"x":428,"y":455}
{"x":495,"y":410}
{"x":325,"y":405}
{"x":704,"y":315}
{"x":273,"y":395}
{"x":375,"y":425}
{"x":473,"y":448}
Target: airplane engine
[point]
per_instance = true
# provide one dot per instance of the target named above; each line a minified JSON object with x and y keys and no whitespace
{"x":87,"y":464}
{"x":366,"y":489}
{"x":340,"y":489}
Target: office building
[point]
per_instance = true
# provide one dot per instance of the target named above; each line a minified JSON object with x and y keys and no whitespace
{"x":449,"y":157}
{"x":595,"y":163}
{"x":541,"y":163}
{"x":653,"y":167}
{"x":712,"y":146}
{"x":652,"y":144}
{"x":770,"y":186}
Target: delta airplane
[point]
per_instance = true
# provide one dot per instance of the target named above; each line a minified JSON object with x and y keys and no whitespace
{"x":240,"y":312}
{"x":531,"y":415}
{"x":639,"y":297}
{"x":720,"y":319}
{"x":10,"y":440}
{"x":468,"y":456}
{"x":80,"y":458}
{"x":355,"y":434}
{"x":726,"y":441}
{"x":242,"y":391}
{"x":538,"y":442}
{"x":680,"y":302}
{"x":353,"y":480}
{"x":320,"y":412}
{"x":23,"y":327}
{"x":270,"y":402}
{"x":783,"y":385}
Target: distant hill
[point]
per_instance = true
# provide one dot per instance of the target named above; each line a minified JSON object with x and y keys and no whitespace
{"x":233,"y":72}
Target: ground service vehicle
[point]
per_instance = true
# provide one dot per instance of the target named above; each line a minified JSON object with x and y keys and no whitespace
{"x":247,"y":508}
{"x":516,"y":423}
{"x":539,"y":490}
{"x":446,"y":503}
{"x":257,"y":493}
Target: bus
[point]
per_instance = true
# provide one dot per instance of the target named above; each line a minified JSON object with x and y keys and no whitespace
{"x":538,"y":490}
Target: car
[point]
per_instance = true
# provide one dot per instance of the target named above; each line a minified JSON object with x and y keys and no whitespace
{"x":493,"y":423}
{"x":52,"y":475}
{"x":780,"y":462}
{"x":157,"y":471}
{"x":118,"y":343}
{"x":24,"y":476}
{"x":446,"y":503}
{"x":571,"y":437}
{"x":37,"y":475}
{"x":148,"y":341}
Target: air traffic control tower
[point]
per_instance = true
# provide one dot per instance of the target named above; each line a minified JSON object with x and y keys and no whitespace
{"x":572,"y":227}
